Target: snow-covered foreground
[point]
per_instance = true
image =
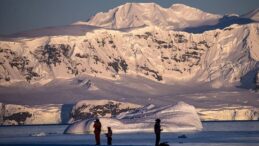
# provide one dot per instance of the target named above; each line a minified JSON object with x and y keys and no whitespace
{"x":213,"y":134}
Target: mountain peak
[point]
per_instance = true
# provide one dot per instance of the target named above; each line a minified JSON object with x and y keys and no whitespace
{"x":130,"y":15}
{"x":179,"y":5}
{"x":139,"y":4}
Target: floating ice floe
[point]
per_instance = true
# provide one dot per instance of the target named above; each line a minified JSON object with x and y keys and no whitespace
{"x":39,"y":134}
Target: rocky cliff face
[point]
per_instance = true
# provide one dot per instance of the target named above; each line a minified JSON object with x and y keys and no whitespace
{"x":217,"y":56}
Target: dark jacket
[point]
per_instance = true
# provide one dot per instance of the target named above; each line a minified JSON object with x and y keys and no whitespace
{"x":109,"y":133}
{"x":257,"y":79}
{"x":157,"y":128}
{"x":97,"y":127}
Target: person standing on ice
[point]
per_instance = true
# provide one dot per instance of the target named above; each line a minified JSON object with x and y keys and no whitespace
{"x":257,"y":82}
{"x":109,"y":136}
{"x":97,"y":131}
{"x":157,"y":129}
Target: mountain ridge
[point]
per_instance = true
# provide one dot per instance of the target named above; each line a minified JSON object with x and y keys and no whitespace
{"x":141,"y":14}
{"x":217,"y":56}
{"x":152,"y":51}
{"x":188,"y":25}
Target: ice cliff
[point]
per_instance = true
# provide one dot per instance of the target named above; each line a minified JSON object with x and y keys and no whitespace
{"x":84,"y":112}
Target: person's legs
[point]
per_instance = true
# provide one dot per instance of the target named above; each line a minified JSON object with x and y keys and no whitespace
{"x":157,"y":139}
{"x":97,"y":138}
{"x":109,"y":141}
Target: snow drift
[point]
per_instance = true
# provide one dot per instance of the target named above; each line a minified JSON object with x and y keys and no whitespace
{"x":181,"y":117}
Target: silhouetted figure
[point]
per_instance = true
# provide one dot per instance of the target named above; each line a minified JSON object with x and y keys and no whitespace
{"x":109,"y":136}
{"x":257,"y":82}
{"x":97,"y":131}
{"x":157,"y":129}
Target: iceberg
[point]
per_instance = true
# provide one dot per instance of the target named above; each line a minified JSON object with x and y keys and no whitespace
{"x":178,"y":118}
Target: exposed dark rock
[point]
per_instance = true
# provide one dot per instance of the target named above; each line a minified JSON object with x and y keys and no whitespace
{"x":119,"y":64}
{"x":52,"y":54}
{"x":179,"y":38}
{"x":89,"y":111}
{"x":20,"y":118}
{"x":22,"y":63}
{"x":97,"y":59}
{"x":82,"y":55}
{"x":154,"y":73}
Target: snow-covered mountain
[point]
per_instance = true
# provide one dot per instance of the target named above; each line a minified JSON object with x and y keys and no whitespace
{"x":153,"y":51}
{"x":131,"y":15}
{"x":133,"y":53}
{"x":217,"y":56}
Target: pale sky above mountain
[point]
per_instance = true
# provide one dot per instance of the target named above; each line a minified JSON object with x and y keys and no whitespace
{"x":22,"y":15}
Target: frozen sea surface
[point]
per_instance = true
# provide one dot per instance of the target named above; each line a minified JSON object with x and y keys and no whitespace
{"x":213,"y":134}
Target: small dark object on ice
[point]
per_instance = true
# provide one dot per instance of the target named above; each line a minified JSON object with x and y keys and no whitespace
{"x":182,"y":136}
{"x":164,"y":144}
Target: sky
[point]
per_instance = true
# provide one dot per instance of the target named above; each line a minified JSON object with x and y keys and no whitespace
{"x":22,"y":15}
